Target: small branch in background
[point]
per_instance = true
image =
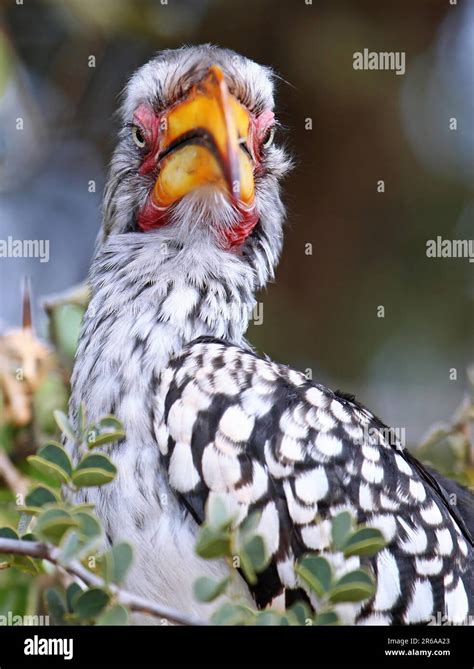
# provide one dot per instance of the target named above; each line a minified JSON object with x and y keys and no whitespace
{"x":27,"y":322}
{"x":36,"y":549}
{"x":12,"y":477}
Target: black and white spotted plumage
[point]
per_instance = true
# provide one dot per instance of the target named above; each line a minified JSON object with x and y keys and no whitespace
{"x":163,"y":348}
{"x":262,"y":437}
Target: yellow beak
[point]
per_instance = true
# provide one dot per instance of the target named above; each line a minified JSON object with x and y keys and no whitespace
{"x":200,"y":144}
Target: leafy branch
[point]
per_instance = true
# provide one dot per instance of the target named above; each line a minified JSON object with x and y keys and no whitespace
{"x":69,"y":536}
{"x":87,"y":607}
{"x":320,"y":576}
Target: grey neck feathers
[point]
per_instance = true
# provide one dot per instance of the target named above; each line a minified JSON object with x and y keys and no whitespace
{"x":193,"y":291}
{"x":149,"y":299}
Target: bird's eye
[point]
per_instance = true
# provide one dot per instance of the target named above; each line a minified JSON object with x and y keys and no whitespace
{"x":138,"y":137}
{"x":268,"y":140}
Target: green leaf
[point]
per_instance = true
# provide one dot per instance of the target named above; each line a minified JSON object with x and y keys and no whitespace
{"x":56,"y":453}
{"x":315,"y":572}
{"x":94,"y":439}
{"x":8,"y":533}
{"x":250,"y":524}
{"x":86,"y":536}
{"x":257,"y":553}
{"x":51,"y":394}
{"x":110,"y":424}
{"x":53,"y":523}
{"x":355,"y":586}
{"x":27,"y":512}
{"x":341,"y":529}
{"x":253,"y":557}
{"x":70,"y":546}
{"x":96,"y":469}
{"x":91,"y":603}
{"x":52,"y":461}
{"x":232,"y":614}
{"x":365,"y":542}
{"x":55,"y":605}
{"x":87,"y":478}
{"x":302,"y":612}
{"x":212,"y":543}
{"x":270,"y":618}
{"x":72,"y":593}
{"x":47,"y":469}
{"x":81,"y":421}
{"x":326,"y":618}
{"x":65,"y":426}
{"x":106,"y":431}
{"x":116,"y":615}
{"x":26,"y":564}
{"x":218,"y":517}
{"x":40,"y":496}
{"x":117,"y":562}
{"x":83,"y":506}
{"x":29,"y":536}
{"x":89,"y":527}
{"x":66,"y":324}
{"x":207,"y":589}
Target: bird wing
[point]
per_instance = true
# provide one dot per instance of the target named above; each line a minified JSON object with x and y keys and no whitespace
{"x":264,"y":438}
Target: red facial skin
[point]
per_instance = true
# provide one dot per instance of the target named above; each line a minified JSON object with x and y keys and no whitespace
{"x":152,"y":216}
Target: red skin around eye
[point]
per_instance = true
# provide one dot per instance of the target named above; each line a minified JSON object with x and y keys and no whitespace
{"x":149,"y":123}
{"x":151,"y":216}
{"x":259,"y":129}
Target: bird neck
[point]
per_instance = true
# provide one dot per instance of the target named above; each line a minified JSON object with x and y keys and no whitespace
{"x":150,"y":298}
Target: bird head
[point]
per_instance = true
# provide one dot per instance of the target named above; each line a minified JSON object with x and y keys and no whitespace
{"x":196,"y":156}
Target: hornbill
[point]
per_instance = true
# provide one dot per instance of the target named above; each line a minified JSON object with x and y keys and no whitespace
{"x":192,"y":228}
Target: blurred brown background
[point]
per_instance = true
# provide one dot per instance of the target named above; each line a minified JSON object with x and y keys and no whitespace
{"x":368,"y":247}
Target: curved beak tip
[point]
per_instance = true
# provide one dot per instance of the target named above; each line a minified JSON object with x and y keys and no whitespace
{"x":211,"y":118}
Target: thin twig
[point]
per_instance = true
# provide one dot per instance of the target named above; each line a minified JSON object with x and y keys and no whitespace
{"x":12,"y":477}
{"x":133,"y":602}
